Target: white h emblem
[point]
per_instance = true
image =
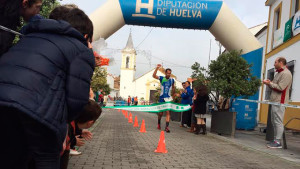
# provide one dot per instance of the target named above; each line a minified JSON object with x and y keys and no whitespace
{"x":148,"y":6}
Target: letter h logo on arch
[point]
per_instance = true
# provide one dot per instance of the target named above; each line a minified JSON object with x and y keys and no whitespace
{"x":140,"y":5}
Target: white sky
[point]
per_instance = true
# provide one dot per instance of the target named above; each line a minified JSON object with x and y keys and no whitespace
{"x":174,"y":46}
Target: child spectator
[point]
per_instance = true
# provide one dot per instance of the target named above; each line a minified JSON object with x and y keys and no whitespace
{"x":77,"y":133}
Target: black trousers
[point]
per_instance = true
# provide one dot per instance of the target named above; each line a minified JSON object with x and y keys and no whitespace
{"x":26,"y":143}
{"x":64,"y":159}
{"x":186,"y":118}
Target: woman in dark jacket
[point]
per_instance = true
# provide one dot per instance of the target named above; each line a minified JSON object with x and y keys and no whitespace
{"x":200,"y":108}
{"x":44,"y":83}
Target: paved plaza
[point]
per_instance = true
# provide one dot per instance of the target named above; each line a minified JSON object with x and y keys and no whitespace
{"x":117,"y":144}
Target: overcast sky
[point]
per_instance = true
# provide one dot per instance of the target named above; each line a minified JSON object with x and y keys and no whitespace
{"x":177,"y":49}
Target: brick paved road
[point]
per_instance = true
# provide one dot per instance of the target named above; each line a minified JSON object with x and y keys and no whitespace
{"x":117,"y":144}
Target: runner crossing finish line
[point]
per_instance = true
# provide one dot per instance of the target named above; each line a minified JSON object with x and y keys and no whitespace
{"x":155,"y":108}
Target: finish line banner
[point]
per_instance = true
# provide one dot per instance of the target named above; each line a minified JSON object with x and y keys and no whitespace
{"x":271,"y":103}
{"x":155,"y":108}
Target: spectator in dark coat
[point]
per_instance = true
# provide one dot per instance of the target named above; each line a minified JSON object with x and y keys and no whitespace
{"x":200,"y":108}
{"x":44,"y":83}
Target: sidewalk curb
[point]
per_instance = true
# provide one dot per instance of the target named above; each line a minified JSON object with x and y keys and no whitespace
{"x":223,"y":138}
{"x":249,"y":147}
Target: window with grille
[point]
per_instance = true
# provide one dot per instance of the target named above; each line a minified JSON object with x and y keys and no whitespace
{"x":290,"y":65}
{"x":295,"y":7}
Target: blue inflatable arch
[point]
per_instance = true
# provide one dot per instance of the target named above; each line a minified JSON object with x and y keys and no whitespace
{"x":212,"y":15}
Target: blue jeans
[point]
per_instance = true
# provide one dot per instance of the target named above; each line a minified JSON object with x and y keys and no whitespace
{"x":26,"y":143}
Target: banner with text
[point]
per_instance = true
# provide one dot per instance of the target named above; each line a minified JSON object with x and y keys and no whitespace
{"x":296,"y":24}
{"x":188,"y":14}
{"x":155,"y":108}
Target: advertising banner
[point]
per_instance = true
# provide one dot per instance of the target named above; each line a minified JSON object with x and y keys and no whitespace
{"x":155,"y":108}
{"x":188,"y":14}
{"x":278,"y":38}
{"x":296,"y":24}
{"x":246,"y":113}
{"x":288,"y":30}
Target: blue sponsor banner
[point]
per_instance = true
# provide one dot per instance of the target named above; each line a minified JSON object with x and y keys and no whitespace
{"x":247,"y":111}
{"x":187,"y":14}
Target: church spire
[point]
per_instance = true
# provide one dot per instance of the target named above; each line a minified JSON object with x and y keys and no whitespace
{"x":129,"y":45}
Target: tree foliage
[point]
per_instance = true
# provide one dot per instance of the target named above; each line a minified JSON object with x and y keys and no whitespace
{"x":47,"y":7}
{"x":99,"y":81}
{"x":230,"y":75}
{"x":198,"y":74}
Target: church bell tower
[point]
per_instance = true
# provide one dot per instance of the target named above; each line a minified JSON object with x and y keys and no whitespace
{"x":128,"y":68}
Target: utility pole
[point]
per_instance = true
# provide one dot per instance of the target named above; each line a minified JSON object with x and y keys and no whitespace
{"x":220,"y":48}
{"x":209,"y":53}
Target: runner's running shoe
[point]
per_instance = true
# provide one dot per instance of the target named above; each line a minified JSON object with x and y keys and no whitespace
{"x":167,"y":130}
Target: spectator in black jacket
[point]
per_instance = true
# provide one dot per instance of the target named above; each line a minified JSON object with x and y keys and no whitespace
{"x":200,"y":109}
{"x":10,"y":13}
{"x":44,"y":83}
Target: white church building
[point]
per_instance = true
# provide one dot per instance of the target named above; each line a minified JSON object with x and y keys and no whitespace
{"x":144,"y":86}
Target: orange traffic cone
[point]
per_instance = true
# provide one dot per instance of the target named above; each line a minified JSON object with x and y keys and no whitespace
{"x":130,"y":118}
{"x":143,"y":128}
{"x":136,"y":124}
{"x":161,"y":148}
{"x":126,"y":114}
{"x":118,"y":110}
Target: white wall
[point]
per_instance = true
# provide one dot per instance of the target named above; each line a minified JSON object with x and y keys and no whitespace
{"x":285,"y":16}
{"x":126,"y":83}
{"x":140,"y":83}
{"x":110,"y":81}
{"x":114,"y":93}
{"x":262,"y":38}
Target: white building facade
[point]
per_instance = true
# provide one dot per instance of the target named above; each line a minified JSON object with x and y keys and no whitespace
{"x":111,"y":82}
{"x":283,"y":40}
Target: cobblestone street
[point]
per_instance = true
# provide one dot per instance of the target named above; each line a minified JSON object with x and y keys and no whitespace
{"x":117,"y":144}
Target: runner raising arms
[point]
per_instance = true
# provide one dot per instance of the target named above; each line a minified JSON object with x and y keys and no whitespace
{"x":167,"y":86}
